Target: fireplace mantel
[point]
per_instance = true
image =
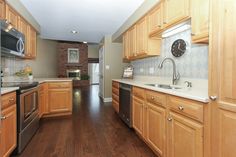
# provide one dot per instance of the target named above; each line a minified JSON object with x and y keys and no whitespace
{"x":73,"y":65}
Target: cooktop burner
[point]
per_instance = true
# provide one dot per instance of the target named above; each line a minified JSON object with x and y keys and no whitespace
{"x":21,"y":85}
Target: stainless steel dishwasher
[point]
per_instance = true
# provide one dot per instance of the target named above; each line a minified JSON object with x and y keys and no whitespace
{"x":125,"y":107}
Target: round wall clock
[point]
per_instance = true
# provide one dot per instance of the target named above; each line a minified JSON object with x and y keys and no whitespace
{"x":178,"y":48}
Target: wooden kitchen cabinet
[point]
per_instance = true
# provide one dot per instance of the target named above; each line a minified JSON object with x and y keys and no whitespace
{"x":2,"y":9}
{"x":138,"y":108}
{"x":156,"y":130}
{"x":8,"y":124}
{"x":30,"y":51}
{"x":133,"y":42}
{"x":43,"y":106}
{"x":155,"y":21}
{"x":60,"y":98}
{"x":222,"y":76}
{"x":175,"y":11}
{"x":12,"y":16}
{"x":115,"y":95}
{"x":185,"y":137}
{"x":126,"y":46}
{"x":200,"y":20}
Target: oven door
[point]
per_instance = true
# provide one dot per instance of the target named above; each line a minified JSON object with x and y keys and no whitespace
{"x":28,"y":107}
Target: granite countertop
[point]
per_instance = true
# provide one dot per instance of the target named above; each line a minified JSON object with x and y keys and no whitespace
{"x":8,"y":90}
{"x":42,"y":80}
{"x":200,"y":95}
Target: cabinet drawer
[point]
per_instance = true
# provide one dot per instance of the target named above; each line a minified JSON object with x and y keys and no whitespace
{"x":115,"y":91}
{"x":59,"y":85}
{"x":138,"y":92}
{"x":115,"y":84}
{"x":8,"y":100}
{"x":156,"y":98}
{"x":115,"y":97}
{"x":186,"y":107}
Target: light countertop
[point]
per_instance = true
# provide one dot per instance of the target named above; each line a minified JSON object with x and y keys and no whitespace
{"x":200,"y":95}
{"x":8,"y":90}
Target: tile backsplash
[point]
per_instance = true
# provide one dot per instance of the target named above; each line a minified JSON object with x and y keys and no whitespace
{"x":11,"y":65}
{"x":193,"y":64}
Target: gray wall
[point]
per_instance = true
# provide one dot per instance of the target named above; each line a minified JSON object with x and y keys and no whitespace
{"x":93,"y":51}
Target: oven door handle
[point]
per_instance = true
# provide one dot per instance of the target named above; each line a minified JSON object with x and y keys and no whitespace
{"x":27,"y":90}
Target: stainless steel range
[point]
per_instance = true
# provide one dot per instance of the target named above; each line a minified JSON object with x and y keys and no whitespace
{"x":27,"y":112}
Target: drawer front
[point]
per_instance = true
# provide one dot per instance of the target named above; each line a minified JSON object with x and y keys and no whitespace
{"x":186,"y":107}
{"x":115,"y":84}
{"x":156,"y":98}
{"x":115,"y":91}
{"x":59,"y":85}
{"x":138,"y":92}
{"x":8,"y":100}
{"x":115,"y":97}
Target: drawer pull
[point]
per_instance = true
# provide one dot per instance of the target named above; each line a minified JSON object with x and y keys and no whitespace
{"x":152,"y":98}
{"x":11,"y":99}
{"x":181,"y":108}
{"x":3,"y":117}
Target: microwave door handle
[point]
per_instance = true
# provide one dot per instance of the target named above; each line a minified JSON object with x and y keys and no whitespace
{"x":17,"y":45}
{"x":22,"y":46}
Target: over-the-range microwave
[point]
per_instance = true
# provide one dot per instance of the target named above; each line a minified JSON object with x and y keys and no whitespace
{"x":12,"y":41}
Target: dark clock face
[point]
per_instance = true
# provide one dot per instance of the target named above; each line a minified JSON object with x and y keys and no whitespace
{"x":178,"y":48}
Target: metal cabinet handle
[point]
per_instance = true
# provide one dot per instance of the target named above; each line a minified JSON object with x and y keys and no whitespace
{"x":213,"y":98}
{"x":3,"y":117}
{"x":181,"y":108}
{"x":159,"y":26}
{"x":169,"y":119}
{"x":193,"y":34}
{"x":11,"y":99}
{"x":152,"y":98}
{"x":165,"y":22}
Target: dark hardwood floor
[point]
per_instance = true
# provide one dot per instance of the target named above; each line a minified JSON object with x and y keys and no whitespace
{"x":94,"y":130}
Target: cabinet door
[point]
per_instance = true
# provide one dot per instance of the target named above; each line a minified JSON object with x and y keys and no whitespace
{"x":12,"y":16}
{"x":156,"y":128}
{"x":59,"y":100}
{"x":2,"y":9}
{"x":200,"y":20}
{"x":155,"y":20}
{"x":31,"y":41}
{"x":142,"y":36}
{"x":176,"y":11}
{"x":41,"y":103}
{"x":126,"y":42}
{"x":185,"y":137}
{"x":138,"y":115}
{"x":23,"y":28}
{"x":132,"y":40}
{"x":223,"y":78}
{"x":8,"y":135}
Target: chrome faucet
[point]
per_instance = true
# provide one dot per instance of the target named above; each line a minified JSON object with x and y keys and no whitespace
{"x":176,"y":75}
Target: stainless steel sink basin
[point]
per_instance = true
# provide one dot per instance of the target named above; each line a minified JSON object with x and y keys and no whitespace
{"x":164,"y":86}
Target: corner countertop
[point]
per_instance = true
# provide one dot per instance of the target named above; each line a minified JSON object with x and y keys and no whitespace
{"x":8,"y":90}
{"x":43,"y":80}
{"x":200,"y":95}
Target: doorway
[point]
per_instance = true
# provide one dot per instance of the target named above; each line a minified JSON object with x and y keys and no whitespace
{"x":93,"y":69}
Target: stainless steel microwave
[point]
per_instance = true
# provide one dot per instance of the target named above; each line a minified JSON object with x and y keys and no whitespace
{"x":12,"y":41}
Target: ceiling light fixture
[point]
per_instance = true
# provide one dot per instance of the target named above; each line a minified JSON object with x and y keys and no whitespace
{"x":85,"y":42}
{"x":74,"y":32}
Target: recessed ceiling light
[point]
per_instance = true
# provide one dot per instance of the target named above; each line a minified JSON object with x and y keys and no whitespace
{"x":74,"y":32}
{"x":85,"y":42}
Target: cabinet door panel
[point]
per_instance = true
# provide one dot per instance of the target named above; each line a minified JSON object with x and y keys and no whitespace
{"x":59,"y":100}
{"x":12,"y":16}
{"x":142,"y":36}
{"x":175,"y":11}
{"x":185,"y":137}
{"x":133,"y":39}
{"x":156,"y":128}
{"x":138,"y":115}
{"x":8,"y":135}
{"x":2,"y":9}
{"x":126,"y":45}
{"x":155,"y":19}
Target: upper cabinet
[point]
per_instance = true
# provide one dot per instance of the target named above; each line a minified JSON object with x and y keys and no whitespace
{"x":132,"y":42}
{"x":200,"y":20}
{"x":176,"y":11}
{"x":155,"y":20}
{"x":126,"y":49}
{"x":30,"y":51}
{"x":12,"y":16}
{"x":2,"y":9}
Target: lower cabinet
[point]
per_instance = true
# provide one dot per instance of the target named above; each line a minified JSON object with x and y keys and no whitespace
{"x":171,"y":126}
{"x":115,"y":95}
{"x":155,"y":119}
{"x":185,"y":137}
{"x":8,"y":126}
{"x":55,"y":98}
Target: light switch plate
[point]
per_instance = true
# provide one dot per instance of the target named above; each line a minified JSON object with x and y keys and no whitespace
{"x":107,"y":67}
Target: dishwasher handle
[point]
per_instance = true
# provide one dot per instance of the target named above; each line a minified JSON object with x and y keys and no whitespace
{"x":125,"y":88}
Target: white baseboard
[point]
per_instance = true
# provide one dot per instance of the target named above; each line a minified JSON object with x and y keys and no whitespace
{"x":107,"y":99}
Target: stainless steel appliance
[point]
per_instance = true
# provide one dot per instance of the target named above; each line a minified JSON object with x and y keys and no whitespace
{"x":27,"y":112}
{"x":125,"y":107}
{"x":75,"y":74}
{"x":12,"y":41}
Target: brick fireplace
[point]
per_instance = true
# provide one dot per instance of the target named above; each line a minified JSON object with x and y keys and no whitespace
{"x":82,"y":65}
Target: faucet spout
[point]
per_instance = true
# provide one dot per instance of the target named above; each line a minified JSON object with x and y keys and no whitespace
{"x":176,"y":75}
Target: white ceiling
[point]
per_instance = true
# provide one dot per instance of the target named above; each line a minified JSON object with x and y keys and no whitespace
{"x":91,"y":18}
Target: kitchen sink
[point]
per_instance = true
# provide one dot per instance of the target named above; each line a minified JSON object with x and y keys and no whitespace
{"x":164,"y":86}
